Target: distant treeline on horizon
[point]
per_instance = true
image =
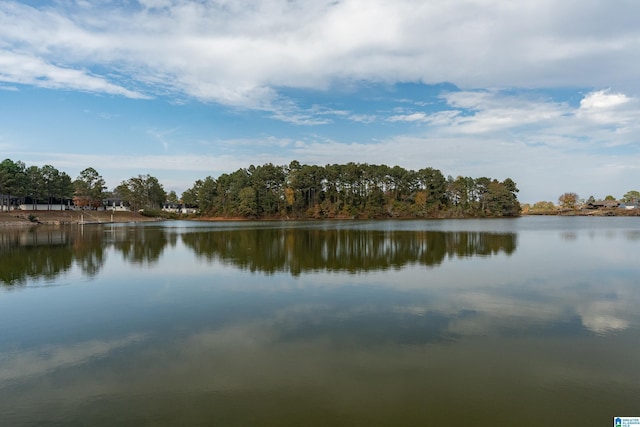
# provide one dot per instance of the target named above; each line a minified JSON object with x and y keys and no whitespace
{"x":351,"y":190}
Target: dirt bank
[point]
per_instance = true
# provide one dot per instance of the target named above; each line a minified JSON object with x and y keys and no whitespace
{"x":26,"y":218}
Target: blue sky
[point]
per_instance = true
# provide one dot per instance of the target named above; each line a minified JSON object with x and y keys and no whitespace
{"x":544,"y":92}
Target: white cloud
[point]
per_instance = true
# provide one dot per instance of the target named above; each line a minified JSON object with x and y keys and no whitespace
{"x":605,"y":108}
{"x":24,"y":69}
{"x":155,"y":4}
{"x":603,"y":119}
{"x":414,"y":117}
{"x":492,"y":111}
{"x":603,"y":99}
{"x":288,"y":111}
{"x":239,"y":53}
{"x":363,"y":118}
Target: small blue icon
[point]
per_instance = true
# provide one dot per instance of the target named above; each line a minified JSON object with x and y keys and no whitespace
{"x":618,"y":422}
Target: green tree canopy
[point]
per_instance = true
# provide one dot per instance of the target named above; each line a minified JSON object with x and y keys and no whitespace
{"x":12,"y":181}
{"x":350,"y":190}
{"x":142,"y":192}
{"x":632,"y":196}
{"x":89,"y":188}
{"x":172,"y":197}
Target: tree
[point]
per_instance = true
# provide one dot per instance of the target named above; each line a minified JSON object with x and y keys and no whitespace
{"x":500,"y":198}
{"x":89,"y":189}
{"x":433,"y":182}
{"x":172,"y":198}
{"x":462,"y":193}
{"x":123,"y":192}
{"x":247,"y":202}
{"x":34,"y":184}
{"x":268,"y":181}
{"x":190,"y":196}
{"x":50,"y":176}
{"x":12,"y":181}
{"x":142,"y":192}
{"x":632,"y":196}
{"x":307,"y":183}
{"x":63,"y":187}
{"x":206,"y":194}
{"x":568,"y":200}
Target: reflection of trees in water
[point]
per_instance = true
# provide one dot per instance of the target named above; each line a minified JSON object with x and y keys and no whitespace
{"x":465,"y":244}
{"x":48,"y":252}
{"x":143,"y":244}
{"x":297,"y":250}
{"x":45,"y":253}
{"x":89,"y":251}
{"x":24,"y":263}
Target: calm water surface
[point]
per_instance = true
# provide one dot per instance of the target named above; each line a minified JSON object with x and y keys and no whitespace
{"x":529,"y":322}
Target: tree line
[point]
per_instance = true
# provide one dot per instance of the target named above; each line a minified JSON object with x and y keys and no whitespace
{"x":571,"y":200}
{"x":33,"y":184}
{"x":47,"y":185}
{"x":352,"y":190}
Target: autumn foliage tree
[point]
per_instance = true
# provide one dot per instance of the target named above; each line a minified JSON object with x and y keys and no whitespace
{"x":568,"y":200}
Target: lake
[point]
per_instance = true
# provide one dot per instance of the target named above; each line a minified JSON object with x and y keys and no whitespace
{"x":531,"y":321}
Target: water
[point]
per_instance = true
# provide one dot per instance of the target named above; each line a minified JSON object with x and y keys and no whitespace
{"x":530,"y":322}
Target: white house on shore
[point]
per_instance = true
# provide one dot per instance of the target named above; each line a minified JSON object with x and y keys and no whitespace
{"x":108,"y":205}
{"x":116,"y":205}
{"x":178,"y":208}
{"x":43,"y":207}
{"x":113,"y":205}
{"x":629,"y":206}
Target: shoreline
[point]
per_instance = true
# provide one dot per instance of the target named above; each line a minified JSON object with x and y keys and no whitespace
{"x":594,"y":212}
{"x":34,"y":218}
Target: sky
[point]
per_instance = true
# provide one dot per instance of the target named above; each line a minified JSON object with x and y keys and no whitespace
{"x":544,"y":92}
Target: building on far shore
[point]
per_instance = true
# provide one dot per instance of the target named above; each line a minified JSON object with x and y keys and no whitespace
{"x":116,"y":205}
{"x":629,"y":205}
{"x":178,"y":208}
{"x":602,"y":204}
{"x":43,"y":207}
